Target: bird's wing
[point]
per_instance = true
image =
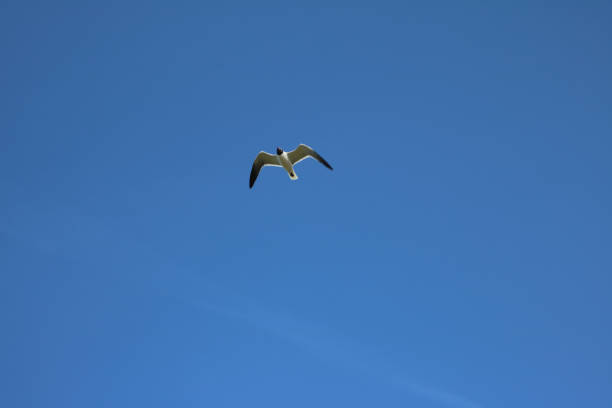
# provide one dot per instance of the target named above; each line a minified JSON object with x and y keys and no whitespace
{"x":262,"y":159}
{"x":302,"y":152}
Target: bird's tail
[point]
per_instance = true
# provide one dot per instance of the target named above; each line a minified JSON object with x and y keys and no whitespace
{"x":293,"y":176}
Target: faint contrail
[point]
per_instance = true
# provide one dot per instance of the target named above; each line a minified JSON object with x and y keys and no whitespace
{"x":443,"y":397}
{"x":318,"y":341}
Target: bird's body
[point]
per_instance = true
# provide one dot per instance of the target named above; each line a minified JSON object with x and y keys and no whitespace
{"x":285,"y":160}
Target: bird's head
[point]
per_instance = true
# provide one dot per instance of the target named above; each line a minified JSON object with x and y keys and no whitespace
{"x":279,"y":151}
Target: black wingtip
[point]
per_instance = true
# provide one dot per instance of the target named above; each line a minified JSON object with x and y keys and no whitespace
{"x":322,"y":160}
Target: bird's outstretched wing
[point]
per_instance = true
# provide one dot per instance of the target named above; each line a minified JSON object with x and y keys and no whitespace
{"x":262,"y":159}
{"x":302,"y":152}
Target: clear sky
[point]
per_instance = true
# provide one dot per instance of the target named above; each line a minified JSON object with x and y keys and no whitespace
{"x":458,"y":256}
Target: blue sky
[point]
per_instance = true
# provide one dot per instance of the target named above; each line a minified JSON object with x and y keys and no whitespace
{"x":458,"y":256}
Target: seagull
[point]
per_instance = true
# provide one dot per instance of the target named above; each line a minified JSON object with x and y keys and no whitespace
{"x":284,"y":159}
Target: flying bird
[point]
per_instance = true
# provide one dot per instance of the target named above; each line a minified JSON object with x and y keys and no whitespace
{"x":285,"y":160}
